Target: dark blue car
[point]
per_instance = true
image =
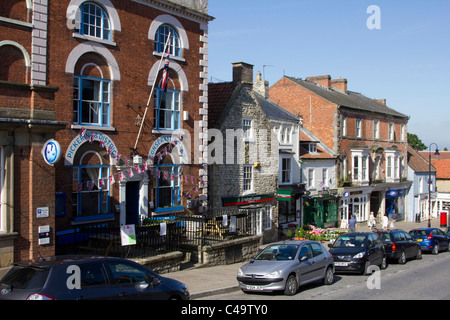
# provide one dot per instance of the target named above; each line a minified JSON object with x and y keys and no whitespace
{"x":433,"y":240}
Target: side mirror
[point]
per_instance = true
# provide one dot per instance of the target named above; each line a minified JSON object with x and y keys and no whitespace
{"x":330,"y":245}
{"x":303,"y":259}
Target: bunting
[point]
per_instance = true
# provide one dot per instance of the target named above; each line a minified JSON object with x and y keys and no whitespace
{"x":140,"y":169}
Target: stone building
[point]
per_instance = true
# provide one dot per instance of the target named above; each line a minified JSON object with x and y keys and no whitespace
{"x":243,"y":152}
{"x":89,"y":74}
{"x":369,"y":138}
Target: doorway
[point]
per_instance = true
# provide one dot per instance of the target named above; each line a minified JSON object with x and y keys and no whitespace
{"x":132,"y":202}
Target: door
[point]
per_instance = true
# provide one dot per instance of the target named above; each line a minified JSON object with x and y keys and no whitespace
{"x":132,"y":202}
{"x":375,"y":249}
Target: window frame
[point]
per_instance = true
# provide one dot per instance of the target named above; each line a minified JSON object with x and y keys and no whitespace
{"x":358,"y":127}
{"x":247,"y":179}
{"x":247,"y":129}
{"x":175,"y":110}
{"x":175,"y":185}
{"x":78,"y":101}
{"x":103,"y":194}
{"x":286,"y":172}
{"x":104,"y":17}
{"x":161,"y":35}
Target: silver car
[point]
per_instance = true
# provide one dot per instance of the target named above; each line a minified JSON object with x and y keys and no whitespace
{"x":285,"y":266}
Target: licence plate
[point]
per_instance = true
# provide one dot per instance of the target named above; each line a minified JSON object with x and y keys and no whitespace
{"x":419,"y":240}
{"x":341,"y":264}
{"x":254,"y":288}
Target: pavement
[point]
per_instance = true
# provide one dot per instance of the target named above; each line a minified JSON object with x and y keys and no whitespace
{"x":209,"y":281}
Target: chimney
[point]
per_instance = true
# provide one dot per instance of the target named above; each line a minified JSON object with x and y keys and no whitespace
{"x":339,"y":84}
{"x":242,"y":72}
{"x":324,"y":81}
{"x":381,"y":101}
{"x":260,"y":86}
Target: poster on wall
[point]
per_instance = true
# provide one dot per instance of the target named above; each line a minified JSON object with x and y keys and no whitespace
{"x":128,"y":235}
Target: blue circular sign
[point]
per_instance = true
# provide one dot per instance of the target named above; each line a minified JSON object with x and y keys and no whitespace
{"x":51,"y":152}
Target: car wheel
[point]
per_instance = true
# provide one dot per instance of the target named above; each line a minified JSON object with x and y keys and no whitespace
{"x":419,"y":254}
{"x":402,"y":259}
{"x":329,"y":276}
{"x":291,"y":286}
{"x":435,"y":249}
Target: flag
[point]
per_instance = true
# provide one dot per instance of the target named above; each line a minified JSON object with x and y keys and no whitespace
{"x":82,"y":132}
{"x":165,"y":76}
{"x":111,"y":180}
{"x":120,"y":176}
{"x":130,"y":173}
{"x":101,"y":182}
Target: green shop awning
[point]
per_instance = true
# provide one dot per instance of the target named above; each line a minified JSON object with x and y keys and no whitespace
{"x":284,"y":195}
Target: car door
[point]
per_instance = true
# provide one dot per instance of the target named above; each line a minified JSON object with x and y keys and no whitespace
{"x":400,"y":241}
{"x":93,"y":283}
{"x":306,"y":264}
{"x":375,"y":249}
{"x":410,"y":244}
{"x":133,"y":282}
{"x":319,"y":260}
{"x":439,"y":235}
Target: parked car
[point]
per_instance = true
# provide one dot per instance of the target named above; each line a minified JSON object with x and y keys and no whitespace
{"x":356,"y":252}
{"x":431,"y":239}
{"x":399,"y":245}
{"x":447,"y":232}
{"x":87,"y":277}
{"x":285,"y":266}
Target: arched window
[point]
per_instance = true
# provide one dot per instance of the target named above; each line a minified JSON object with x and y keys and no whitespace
{"x":92,"y":97}
{"x":90,"y":186}
{"x":94,"y":21}
{"x":167,"y":180}
{"x":174,"y":42}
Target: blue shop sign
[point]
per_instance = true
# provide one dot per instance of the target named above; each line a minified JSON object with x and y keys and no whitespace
{"x":395,"y":193}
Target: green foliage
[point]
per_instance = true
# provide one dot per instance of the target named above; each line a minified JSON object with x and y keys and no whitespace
{"x":415,"y":142}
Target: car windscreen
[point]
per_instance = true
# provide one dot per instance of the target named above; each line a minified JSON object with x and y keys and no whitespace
{"x":352,"y":241}
{"x":24,"y":277}
{"x":419,"y":233}
{"x":278,"y":252}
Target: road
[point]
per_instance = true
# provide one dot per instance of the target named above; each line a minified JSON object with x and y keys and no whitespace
{"x":427,"y":279}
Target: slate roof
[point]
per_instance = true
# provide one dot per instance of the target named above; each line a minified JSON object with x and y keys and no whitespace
{"x":350,"y":99}
{"x":274,"y":111}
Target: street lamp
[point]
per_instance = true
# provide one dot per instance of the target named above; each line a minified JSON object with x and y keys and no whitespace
{"x":429,"y":182}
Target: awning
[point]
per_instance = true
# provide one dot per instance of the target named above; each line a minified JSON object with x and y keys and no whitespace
{"x":284,"y":195}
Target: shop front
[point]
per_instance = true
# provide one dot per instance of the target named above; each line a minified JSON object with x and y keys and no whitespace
{"x":321,"y":210}
{"x":395,"y":203}
{"x":261,"y":211}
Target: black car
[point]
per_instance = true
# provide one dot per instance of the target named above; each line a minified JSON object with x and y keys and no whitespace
{"x":87,"y":277}
{"x":356,"y":252}
{"x":399,"y":245}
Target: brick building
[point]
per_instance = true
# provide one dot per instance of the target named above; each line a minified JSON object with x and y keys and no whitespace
{"x":82,"y":73}
{"x":369,"y":138}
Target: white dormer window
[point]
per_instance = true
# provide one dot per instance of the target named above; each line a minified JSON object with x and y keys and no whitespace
{"x":313,"y":148}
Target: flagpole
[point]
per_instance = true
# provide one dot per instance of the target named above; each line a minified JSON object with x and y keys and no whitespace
{"x":151,"y":92}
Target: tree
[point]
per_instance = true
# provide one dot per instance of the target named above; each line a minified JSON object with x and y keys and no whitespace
{"x":415,"y":142}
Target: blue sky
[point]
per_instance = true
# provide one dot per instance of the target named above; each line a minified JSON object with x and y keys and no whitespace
{"x":406,"y":61}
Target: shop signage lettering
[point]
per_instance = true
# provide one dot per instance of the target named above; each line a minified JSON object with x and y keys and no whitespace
{"x":80,"y":140}
{"x":165,"y":140}
{"x":239,"y":201}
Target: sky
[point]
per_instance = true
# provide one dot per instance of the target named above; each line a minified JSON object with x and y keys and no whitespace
{"x":400,"y":53}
